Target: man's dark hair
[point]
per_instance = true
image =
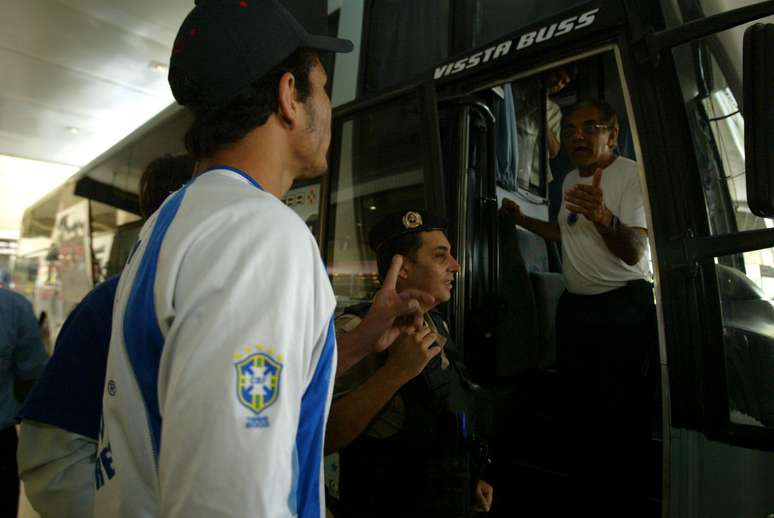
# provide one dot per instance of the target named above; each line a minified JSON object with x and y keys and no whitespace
{"x":217,"y":126}
{"x":163,"y":175}
{"x":406,"y":245}
{"x":606,"y":112}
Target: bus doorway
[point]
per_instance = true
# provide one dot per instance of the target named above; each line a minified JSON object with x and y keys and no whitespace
{"x":513,"y":282}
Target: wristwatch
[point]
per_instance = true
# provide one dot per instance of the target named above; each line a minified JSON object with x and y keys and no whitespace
{"x":615,"y":224}
{"x":613,"y":227}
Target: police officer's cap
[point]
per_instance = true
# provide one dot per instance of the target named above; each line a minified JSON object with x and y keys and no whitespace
{"x":401,"y":223}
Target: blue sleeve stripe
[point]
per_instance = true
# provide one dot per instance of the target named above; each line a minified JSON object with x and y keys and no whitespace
{"x":142,"y":336}
{"x":309,"y":439}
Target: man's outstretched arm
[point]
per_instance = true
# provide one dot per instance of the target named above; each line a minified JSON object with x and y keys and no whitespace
{"x":544,"y":229}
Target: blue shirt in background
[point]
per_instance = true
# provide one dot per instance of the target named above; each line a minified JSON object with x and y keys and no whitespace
{"x":69,"y":393}
{"x":22,"y":356}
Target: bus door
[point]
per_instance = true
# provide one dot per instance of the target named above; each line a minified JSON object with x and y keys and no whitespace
{"x":716,"y":264}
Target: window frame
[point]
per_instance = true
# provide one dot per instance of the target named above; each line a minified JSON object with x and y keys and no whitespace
{"x":692,"y":303}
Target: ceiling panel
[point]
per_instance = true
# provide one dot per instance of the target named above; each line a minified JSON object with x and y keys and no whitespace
{"x":81,"y":64}
{"x":155,"y":19}
{"x":57,"y":35}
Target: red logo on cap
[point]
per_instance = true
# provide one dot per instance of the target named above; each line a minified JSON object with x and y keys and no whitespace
{"x":179,"y":45}
{"x":242,"y":3}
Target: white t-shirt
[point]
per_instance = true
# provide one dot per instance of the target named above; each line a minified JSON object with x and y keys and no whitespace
{"x":589,"y":266}
{"x":221,"y":362}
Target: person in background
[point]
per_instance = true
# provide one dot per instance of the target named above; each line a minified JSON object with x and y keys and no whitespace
{"x":60,"y":421}
{"x":22,"y":358}
{"x":45,"y":332}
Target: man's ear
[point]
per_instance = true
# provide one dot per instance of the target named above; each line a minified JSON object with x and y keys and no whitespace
{"x":405,"y":268}
{"x":287,"y":106}
{"x":612,"y":140}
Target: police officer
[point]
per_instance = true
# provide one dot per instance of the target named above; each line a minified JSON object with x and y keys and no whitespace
{"x":404,"y":419}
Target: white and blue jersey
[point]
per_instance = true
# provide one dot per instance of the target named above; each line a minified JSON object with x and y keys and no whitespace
{"x":221,"y":362}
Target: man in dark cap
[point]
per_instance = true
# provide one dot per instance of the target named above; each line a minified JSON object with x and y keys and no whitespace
{"x":404,"y":419}
{"x":222,"y":353}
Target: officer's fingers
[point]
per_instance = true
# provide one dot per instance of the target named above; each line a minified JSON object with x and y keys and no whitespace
{"x":391,"y":278}
{"x":432,"y":352}
{"x":387,"y":339}
{"x":419,"y":321}
{"x":407,"y":331}
{"x":421,"y":334}
{"x":428,"y":341}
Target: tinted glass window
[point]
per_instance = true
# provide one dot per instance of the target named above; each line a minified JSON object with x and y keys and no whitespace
{"x":745,"y":280}
{"x":381,"y":168}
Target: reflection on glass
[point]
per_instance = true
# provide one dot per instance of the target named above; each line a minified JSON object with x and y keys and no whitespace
{"x":746,"y":294}
{"x":305,"y":201}
{"x":380,"y":170}
{"x":113,"y":233}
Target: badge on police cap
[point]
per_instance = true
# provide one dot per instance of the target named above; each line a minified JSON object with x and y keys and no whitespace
{"x":412,"y":220}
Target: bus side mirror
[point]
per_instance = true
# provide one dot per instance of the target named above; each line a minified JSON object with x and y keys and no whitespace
{"x":759,"y":118}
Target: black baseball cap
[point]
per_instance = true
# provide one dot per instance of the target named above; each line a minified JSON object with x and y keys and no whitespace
{"x":401,"y":223}
{"x":225,"y":45}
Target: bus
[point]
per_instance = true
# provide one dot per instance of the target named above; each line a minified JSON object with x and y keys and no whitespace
{"x":458,"y":122}
{"x":81,"y":233}
{"x":450,"y":114}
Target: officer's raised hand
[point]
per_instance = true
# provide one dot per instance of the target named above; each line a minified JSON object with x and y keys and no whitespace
{"x":382,"y":325}
{"x":589,"y":200}
{"x":388,"y":305}
{"x":411,"y":352}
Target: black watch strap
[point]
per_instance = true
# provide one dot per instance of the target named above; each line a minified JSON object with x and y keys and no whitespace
{"x":613,"y":227}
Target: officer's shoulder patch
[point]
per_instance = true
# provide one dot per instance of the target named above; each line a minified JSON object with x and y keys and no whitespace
{"x":258,"y":376}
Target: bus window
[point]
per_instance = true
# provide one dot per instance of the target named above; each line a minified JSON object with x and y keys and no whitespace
{"x":70,"y":256}
{"x":380,"y":168}
{"x":304,"y":199}
{"x":110,"y":232}
{"x":745,"y":280}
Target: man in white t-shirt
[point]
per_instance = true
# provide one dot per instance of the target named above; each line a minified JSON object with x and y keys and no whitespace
{"x":606,"y":327}
{"x":222,"y":351}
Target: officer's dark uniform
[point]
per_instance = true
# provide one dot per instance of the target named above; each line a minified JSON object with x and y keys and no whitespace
{"x":428,"y":468}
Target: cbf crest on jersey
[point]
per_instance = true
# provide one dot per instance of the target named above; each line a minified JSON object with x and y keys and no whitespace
{"x":258,"y":382}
